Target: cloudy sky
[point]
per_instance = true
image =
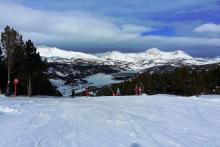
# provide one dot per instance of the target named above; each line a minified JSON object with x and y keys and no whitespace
{"x":124,"y":25}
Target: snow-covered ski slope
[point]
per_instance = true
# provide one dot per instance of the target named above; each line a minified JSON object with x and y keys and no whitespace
{"x":145,"y":121}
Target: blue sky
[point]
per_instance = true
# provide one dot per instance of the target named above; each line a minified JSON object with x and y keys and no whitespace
{"x":125,"y":25}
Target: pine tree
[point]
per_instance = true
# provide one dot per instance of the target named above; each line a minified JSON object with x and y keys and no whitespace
{"x":1,"y":68}
{"x":11,"y":40}
{"x":0,"y":54}
{"x":37,"y":81}
{"x":32,"y":64}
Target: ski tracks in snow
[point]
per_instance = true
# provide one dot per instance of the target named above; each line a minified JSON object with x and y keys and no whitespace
{"x":110,"y":122}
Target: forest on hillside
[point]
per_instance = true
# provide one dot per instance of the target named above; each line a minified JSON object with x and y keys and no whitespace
{"x":182,"y":81}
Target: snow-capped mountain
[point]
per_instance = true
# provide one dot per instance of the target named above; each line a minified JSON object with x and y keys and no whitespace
{"x":154,"y":54}
{"x":53,"y":52}
{"x":127,"y":61}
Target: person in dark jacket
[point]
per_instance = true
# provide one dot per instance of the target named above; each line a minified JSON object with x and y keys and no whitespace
{"x":73,"y":93}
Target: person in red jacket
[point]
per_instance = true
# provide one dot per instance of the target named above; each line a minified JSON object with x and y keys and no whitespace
{"x":136,"y":90}
{"x":140,"y":90}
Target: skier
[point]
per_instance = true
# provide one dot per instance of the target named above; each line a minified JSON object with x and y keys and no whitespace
{"x":140,"y":90}
{"x":73,"y":93}
{"x":87,"y":92}
{"x":113,"y":94}
{"x":118,"y":92}
{"x":7,"y":93}
{"x":136,"y":90}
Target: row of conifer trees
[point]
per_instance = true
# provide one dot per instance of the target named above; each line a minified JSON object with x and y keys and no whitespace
{"x":182,"y":81}
{"x":20,"y":60}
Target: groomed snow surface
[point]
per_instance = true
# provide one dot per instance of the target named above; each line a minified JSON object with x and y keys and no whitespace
{"x":145,"y":121}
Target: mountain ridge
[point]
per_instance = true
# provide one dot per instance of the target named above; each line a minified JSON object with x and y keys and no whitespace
{"x":128,"y":61}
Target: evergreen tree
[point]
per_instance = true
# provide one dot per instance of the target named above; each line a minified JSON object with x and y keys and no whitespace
{"x":32,"y":63}
{"x":1,"y":70}
{"x":37,"y":80}
{"x":11,"y":40}
{"x":0,"y":54}
{"x":3,"y":73}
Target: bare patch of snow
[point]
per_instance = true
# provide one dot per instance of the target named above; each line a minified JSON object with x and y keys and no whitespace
{"x":7,"y":109}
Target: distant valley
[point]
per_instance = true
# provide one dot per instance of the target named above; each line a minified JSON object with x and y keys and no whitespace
{"x":76,"y":70}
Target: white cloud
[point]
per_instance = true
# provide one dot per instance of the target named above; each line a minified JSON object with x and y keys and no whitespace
{"x":68,"y":25}
{"x":80,"y":29}
{"x":188,"y":41}
{"x":208,"y":28}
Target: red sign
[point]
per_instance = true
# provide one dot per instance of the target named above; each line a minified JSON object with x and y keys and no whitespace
{"x":16,"y":81}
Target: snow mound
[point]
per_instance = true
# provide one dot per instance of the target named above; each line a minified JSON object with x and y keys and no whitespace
{"x":7,"y":110}
{"x":2,"y":96}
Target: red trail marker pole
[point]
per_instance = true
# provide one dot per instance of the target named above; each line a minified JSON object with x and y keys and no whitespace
{"x":16,"y":81}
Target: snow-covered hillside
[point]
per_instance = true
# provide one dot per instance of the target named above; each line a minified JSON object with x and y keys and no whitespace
{"x":52,"y":52}
{"x":131,"y":121}
{"x":129,"y":61}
